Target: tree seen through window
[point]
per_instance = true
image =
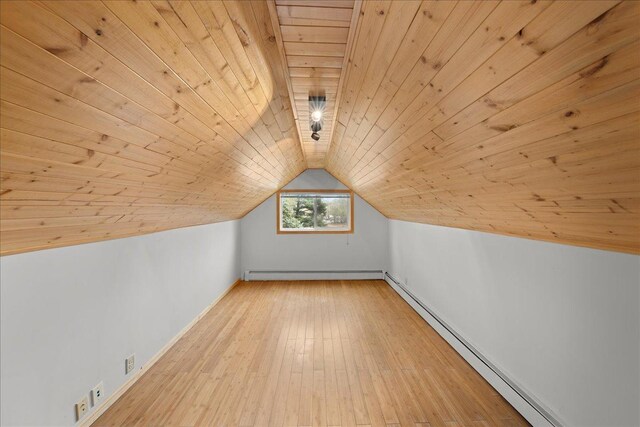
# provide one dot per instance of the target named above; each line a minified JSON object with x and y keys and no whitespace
{"x":315,"y":211}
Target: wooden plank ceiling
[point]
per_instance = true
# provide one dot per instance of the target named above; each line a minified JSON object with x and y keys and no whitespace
{"x":513,"y":117}
{"x":519,"y":118}
{"x":314,"y":36}
{"x":121,"y":118}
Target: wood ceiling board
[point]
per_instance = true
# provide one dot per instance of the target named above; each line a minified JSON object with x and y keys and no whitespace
{"x":303,"y":95}
{"x":330,"y":84}
{"x":310,"y":34}
{"x":346,"y":4}
{"x":124,"y":119}
{"x":509,"y":118}
{"x":315,"y":72}
{"x":316,"y":14}
{"x":298,"y":61}
{"x":315,"y":57}
{"x":315,"y":49}
{"x":312,"y":22}
{"x":314,"y":87}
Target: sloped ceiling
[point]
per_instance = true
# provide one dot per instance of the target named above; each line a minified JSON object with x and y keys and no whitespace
{"x":121,"y":118}
{"x":513,"y":117}
{"x":519,"y":118}
{"x":314,"y":39}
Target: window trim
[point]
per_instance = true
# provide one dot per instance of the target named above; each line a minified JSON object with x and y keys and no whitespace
{"x":279,"y":230}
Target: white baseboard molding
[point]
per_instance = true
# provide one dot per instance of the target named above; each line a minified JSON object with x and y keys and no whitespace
{"x":522,"y":401}
{"x":102,"y":408}
{"x":313,"y":275}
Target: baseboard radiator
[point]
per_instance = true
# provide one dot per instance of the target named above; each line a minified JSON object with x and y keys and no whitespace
{"x":313,"y":275}
{"x":524,"y":403}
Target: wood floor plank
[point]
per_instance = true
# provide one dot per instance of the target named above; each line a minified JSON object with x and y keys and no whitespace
{"x":326,"y":353}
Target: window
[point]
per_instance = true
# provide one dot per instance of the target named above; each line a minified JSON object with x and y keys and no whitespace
{"x":315,"y":211}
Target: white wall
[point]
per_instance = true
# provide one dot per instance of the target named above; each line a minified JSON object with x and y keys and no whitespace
{"x":561,"y":321}
{"x":264,"y":249}
{"x":70,"y":316}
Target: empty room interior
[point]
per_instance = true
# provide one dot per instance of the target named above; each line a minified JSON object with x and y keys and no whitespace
{"x":320,"y":213}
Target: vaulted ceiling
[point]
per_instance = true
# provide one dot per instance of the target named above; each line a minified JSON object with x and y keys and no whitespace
{"x":512,"y":117}
{"x":121,"y":118}
{"x":314,"y":37}
{"x":520,"y":118}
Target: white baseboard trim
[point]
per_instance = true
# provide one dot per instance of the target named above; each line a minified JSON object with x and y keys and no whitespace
{"x":523,"y":402}
{"x":313,"y":275}
{"x":102,"y":408}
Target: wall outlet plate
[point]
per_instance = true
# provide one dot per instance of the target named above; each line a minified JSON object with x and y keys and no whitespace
{"x":97,"y":393}
{"x":130,"y":363}
{"x":82,"y":407}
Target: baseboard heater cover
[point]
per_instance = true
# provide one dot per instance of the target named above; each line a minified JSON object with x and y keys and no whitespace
{"x":528,"y":406}
{"x":313,"y":275}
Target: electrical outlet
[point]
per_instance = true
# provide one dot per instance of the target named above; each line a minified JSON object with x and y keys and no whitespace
{"x":97,"y":393}
{"x":82,"y":407}
{"x":130,"y":363}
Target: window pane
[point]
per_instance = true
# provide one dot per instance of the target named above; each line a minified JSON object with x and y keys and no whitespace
{"x":297,"y":212}
{"x":315,"y":212}
{"x":333,"y":213}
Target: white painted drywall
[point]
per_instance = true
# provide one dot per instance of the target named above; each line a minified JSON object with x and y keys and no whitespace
{"x":263,"y":249}
{"x":70,"y":316}
{"x":563,"y":322}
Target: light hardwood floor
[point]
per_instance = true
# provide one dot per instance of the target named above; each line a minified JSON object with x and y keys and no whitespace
{"x":311,"y":353}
